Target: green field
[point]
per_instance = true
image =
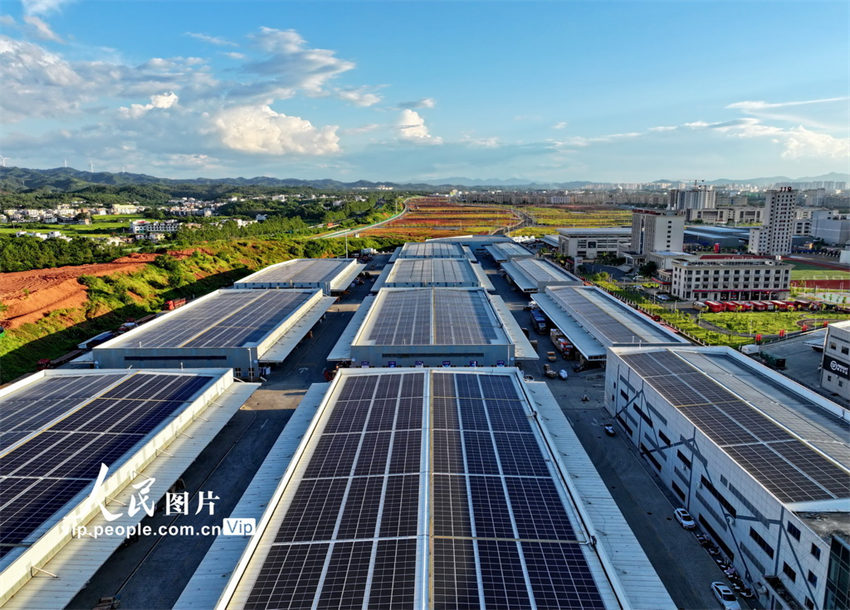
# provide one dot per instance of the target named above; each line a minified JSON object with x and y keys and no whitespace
{"x":100,"y":226}
{"x":818,"y":273}
{"x":768,"y":322}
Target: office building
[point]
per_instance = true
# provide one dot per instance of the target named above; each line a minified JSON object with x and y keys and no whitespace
{"x":654,"y":231}
{"x":590,"y":243}
{"x":774,"y":237}
{"x":723,"y":277}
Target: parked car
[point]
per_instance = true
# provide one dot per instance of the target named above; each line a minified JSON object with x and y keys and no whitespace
{"x":725,"y":596}
{"x":609,"y":430}
{"x":684,"y":518}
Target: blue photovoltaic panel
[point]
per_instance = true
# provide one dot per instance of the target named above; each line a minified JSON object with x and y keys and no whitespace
{"x":60,"y":459}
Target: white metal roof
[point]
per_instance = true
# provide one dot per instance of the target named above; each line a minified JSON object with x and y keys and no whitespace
{"x":331,"y":274}
{"x":533,"y":274}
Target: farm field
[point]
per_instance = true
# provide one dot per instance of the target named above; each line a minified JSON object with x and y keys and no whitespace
{"x":580,"y":216}
{"x":430,"y":217}
{"x":100,"y":225}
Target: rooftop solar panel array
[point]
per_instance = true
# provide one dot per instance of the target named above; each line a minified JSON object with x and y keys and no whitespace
{"x":432,"y":250}
{"x":431,"y":271}
{"x":302,"y":271}
{"x":791,"y":469}
{"x":98,"y":420}
{"x":230,"y":318}
{"x":500,"y":535}
{"x":542,"y":271}
{"x":607,"y":319}
{"x":429,"y":316}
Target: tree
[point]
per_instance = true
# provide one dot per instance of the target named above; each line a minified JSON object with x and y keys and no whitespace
{"x":648,"y":269}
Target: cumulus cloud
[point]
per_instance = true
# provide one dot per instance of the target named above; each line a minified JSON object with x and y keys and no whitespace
{"x":359,"y":96}
{"x":161,"y":101}
{"x":261,"y":130}
{"x":43,"y":7}
{"x":560,"y":125}
{"x":411,"y":127}
{"x":214,"y":40}
{"x":39,"y":29}
{"x":425,"y":102}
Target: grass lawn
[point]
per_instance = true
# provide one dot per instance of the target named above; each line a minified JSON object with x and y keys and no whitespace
{"x":767,"y":322}
{"x":810,"y":272}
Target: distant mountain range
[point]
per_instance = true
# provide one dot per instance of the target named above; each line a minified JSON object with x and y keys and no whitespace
{"x":66,"y":179}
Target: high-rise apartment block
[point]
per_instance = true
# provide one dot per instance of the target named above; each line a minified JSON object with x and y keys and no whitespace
{"x":700,"y":197}
{"x":774,"y":236}
{"x":654,"y":231}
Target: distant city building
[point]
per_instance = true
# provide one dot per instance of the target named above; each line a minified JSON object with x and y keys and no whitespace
{"x":654,"y":231}
{"x":775,"y":235}
{"x":153,"y":230}
{"x":700,"y":197}
{"x":830,"y":227}
{"x":590,"y":243}
{"x":730,"y":278}
{"x":835,"y":369}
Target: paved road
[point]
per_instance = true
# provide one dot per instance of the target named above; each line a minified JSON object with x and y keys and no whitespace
{"x":351,"y":232}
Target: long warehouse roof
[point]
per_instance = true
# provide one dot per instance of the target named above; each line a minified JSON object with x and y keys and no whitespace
{"x":328,"y":273}
{"x":432,"y":249}
{"x":60,"y":427}
{"x":431,"y":316}
{"x":789,"y":439}
{"x":459,"y":272}
{"x":224,"y":318}
{"x":430,"y":489}
{"x":505,"y":251}
{"x":593,"y":320}
{"x":533,"y":274}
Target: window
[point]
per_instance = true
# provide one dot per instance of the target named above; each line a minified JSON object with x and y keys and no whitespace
{"x":813,"y":580}
{"x":793,"y":531}
{"x":683,"y":459}
{"x":816,"y":551}
{"x":762,"y":543}
{"x":845,"y":350}
{"x":664,"y":438}
{"x":791,"y":574}
{"x":810,"y":604}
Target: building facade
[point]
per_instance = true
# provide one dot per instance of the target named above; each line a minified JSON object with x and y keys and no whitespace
{"x":725,"y":277}
{"x":654,"y":231}
{"x":700,"y":197}
{"x":774,"y":236}
{"x":835,"y":368}
{"x":590,"y":243}
{"x":744,"y":458}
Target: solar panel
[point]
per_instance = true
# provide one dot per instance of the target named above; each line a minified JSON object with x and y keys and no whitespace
{"x":791,"y":469}
{"x":431,"y":272}
{"x":431,"y":250}
{"x":63,"y":457}
{"x":230,"y":318}
{"x":356,"y":505}
{"x":300,"y":272}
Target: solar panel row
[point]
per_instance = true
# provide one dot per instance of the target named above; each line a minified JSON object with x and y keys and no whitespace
{"x":70,"y":438}
{"x":792,"y":470}
{"x":302,"y":271}
{"x":431,"y":271}
{"x":500,"y":533}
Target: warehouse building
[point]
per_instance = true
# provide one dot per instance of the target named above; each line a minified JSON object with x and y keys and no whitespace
{"x":59,"y":428}
{"x":433,"y":249}
{"x":835,"y":368}
{"x":242,"y":329}
{"x":506,"y":251}
{"x":432,"y":327}
{"x":432,"y":272}
{"x":332,"y":275}
{"x":551,"y":240}
{"x":533,"y":275}
{"x":593,"y":320}
{"x":428,"y":489}
{"x":759,"y":461}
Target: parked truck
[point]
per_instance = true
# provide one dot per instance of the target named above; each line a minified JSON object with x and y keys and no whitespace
{"x":564,"y":347}
{"x":538,"y":321}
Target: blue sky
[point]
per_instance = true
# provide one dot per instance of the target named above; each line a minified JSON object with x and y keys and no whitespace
{"x":543,"y":91}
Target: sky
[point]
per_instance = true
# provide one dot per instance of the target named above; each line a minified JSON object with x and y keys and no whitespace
{"x":407,"y":91}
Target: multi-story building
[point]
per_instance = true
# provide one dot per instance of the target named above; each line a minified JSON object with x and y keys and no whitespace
{"x":590,"y":243}
{"x":831,"y":227}
{"x":697,"y":198}
{"x":758,"y":460}
{"x":723,"y":277}
{"x":835,"y":368}
{"x":654,"y":231}
{"x":143,"y":229}
{"x":774,"y":236}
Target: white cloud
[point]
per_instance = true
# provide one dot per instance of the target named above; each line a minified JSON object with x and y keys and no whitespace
{"x":235,"y":55}
{"x":359,"y":96}
{"x":261,"y":130}
{"x":290,"y":66}
{"x":214,"y":40}
{"x":187,"y":161}
{"x":362,"y":129}
{"x":754,"y":106}
{"x":42,"y":7}
{"x":411,"y":126}
{"x":7,"y":20}
{"x":473,"y":142}
{"x":161,"y":101}
{"x":560,"y":125}
{"x":39,"y":29}
{"x":797,"y":141}
{"x":425,"y":102}
{"x":824,"y":113}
